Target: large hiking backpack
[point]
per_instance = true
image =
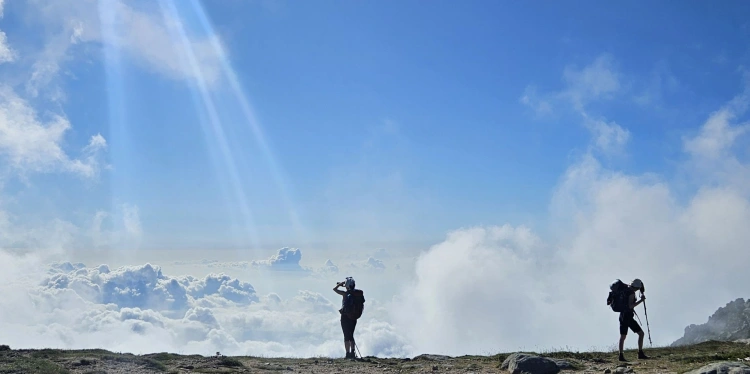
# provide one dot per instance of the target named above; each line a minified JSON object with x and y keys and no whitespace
{"x":618,"y":298}
{"x":354,"y":304}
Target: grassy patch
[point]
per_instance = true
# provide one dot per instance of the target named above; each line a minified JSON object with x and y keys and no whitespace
{"x":32,"y":365}
{"x":230,"y":362}
{"x":153,"y":364}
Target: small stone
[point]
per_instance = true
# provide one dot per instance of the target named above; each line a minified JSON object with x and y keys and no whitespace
{"x":607,"y":371}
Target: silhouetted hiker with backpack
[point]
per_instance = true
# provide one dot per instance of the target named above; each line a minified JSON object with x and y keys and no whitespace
{"x":352,"y":305}
{"x":622,"y":300}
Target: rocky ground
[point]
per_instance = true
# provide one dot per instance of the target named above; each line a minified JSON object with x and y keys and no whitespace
{"x":663,"y":360}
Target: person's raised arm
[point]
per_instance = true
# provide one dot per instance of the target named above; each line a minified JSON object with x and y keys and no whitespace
{"x":337,"y":290}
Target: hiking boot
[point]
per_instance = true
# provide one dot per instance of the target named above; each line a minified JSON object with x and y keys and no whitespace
{"x":622,"y":358}
{"x":642,"y":355}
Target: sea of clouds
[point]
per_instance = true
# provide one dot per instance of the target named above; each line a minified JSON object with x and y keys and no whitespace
{"x":479,"y":290}
{"x":140,"y":309}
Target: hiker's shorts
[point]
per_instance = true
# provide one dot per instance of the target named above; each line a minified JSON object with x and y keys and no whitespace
{"x":348,"y":325}
{"x":627,"y":321}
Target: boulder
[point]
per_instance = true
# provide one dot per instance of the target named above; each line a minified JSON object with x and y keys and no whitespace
{"x":726,"y":367}
{"x":523,"y":363}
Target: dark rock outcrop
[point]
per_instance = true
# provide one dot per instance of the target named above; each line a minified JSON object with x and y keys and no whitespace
{"x":728,"y":323}
{"x":523,"y":363}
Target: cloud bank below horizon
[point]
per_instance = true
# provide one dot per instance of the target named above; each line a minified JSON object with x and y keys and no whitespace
{"x":139,"y":309}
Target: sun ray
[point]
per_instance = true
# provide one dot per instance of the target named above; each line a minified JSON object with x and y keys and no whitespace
{"x":214,"y":125}
{"x":119,"y":138}
{"x":254,"y":124}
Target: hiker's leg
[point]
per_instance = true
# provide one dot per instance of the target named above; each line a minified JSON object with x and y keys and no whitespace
{"x":637,"y":329}
{"x":347,"y":325}
{"x":640,"y":341}
{"x":354,"y":326}
{"x":346,"y":341}
{"x":623,"y":333}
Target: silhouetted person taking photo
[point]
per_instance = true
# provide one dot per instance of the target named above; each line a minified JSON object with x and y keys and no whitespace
{"x":352,"y":306}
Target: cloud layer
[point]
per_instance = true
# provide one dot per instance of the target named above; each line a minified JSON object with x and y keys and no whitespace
{"x":140,"y":309}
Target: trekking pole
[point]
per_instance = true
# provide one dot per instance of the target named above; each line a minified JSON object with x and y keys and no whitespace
{"x":357,"y":347}
{"x":648,"y":328}
{"x":645,"y":313}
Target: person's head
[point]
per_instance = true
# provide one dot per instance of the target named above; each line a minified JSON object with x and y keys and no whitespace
{"x":637,"y":284}
{"x":349,"y":283}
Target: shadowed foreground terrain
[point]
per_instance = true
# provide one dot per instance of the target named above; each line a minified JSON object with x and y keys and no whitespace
{"x":663,"y":360}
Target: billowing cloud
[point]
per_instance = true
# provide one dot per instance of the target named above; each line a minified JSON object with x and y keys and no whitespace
{"x":285,"y":259}
{"x":145,"y":287}
{"x":140,"y":309}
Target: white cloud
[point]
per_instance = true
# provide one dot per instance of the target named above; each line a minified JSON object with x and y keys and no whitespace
{"x":372,"y":264}
{"x":151,"y":39}
{"x":597,"y":81}
{"x":31,"y":145}
{"x":286,"y":259}
{"x":711,"y":150}
{"x":7,"y":54}
{"x":716,"y":136}
{"x":608,"y":136}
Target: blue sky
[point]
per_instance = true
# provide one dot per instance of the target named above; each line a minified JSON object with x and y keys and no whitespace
{"x":384,"y":123}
